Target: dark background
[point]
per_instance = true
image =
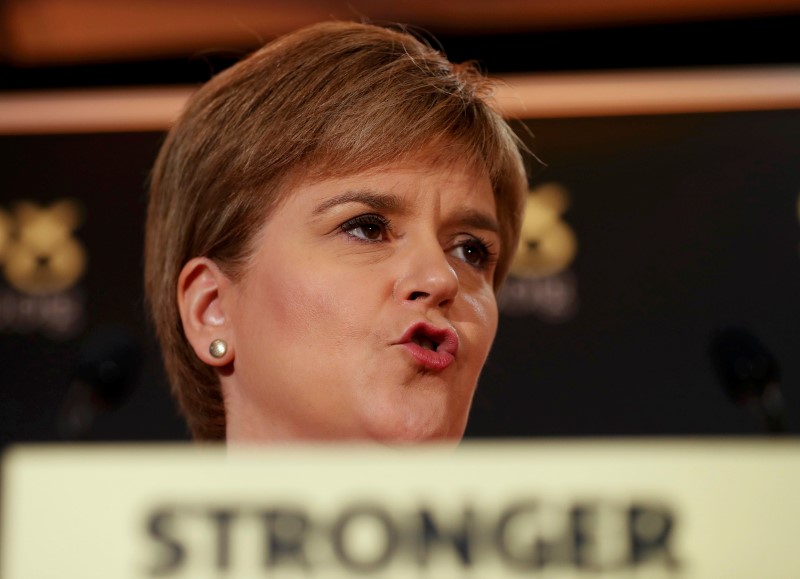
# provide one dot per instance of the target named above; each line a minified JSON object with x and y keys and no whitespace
{"x":685,"y":223}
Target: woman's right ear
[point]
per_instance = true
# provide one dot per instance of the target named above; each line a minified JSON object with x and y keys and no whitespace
{"x":206,"y":324}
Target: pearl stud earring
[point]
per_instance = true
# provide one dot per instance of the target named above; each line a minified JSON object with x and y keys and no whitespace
{"x":218,"y":348}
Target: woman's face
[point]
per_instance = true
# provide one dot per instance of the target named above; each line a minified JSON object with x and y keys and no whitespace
{"x":368,"y":309}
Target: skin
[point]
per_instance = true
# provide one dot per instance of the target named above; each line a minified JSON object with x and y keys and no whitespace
{"x":341,"y":270}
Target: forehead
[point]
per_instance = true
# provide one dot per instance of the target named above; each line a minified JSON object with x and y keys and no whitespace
{"x":420,"y":179}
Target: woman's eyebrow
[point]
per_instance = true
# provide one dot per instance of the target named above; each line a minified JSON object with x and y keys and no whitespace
{"x":475,"y":219}
{"x":385,"y":202}
{"x":389,"y":203}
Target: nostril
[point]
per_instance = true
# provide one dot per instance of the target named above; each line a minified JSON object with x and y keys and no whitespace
{"x":416,"y":295}
{"x":42,"y":260}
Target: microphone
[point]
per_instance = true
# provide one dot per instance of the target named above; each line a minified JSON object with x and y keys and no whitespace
{"x":750,"y":375}
{"x":109,"y":363}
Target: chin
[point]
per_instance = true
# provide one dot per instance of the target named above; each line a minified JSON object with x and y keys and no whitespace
{"x":411,"y":427}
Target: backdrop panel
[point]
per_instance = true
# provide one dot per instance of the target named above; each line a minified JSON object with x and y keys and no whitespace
{"x":645,"y":235}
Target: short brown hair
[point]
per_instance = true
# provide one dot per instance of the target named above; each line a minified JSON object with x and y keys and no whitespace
{"x":331,"y":99}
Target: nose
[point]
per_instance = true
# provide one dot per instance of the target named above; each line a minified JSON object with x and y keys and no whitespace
{"x":427,"y":278}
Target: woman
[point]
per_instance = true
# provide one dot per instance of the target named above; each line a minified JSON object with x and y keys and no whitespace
{"x":329,"y":222}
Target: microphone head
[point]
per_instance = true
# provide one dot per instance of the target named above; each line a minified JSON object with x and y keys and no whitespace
{"x":743,"y":364}
{"x":109,"y":363}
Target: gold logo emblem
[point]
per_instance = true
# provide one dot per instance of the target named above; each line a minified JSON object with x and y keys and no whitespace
{"x":6,"y":230}
{"x":547,"y":245}
{"x":39,"y":253}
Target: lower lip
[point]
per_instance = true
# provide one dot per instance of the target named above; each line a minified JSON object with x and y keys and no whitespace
{"x":428,"y":358}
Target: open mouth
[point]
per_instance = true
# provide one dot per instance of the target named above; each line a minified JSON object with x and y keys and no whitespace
{"x":425,"y":342}
{"x":429,"y":337}
{"x":432,"y":347}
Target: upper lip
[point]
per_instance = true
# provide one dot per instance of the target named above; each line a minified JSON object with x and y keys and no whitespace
{"x":446,"y":339}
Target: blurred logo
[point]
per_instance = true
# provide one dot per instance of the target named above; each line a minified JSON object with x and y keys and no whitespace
{"x":547,"y":245}
{"x":540,"y":282}
{"x":41,"y":259}
{"x":39,"y":253}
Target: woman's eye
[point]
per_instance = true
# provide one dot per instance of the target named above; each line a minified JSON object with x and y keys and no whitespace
{"x":474,"y":252}
{"x":367,"y":227}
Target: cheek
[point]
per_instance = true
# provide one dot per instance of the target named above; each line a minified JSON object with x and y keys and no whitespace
{"x":303,"y":307}
{"x":483,"y":308}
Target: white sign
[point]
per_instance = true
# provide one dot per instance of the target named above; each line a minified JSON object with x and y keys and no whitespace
{"x":667,"y":509}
